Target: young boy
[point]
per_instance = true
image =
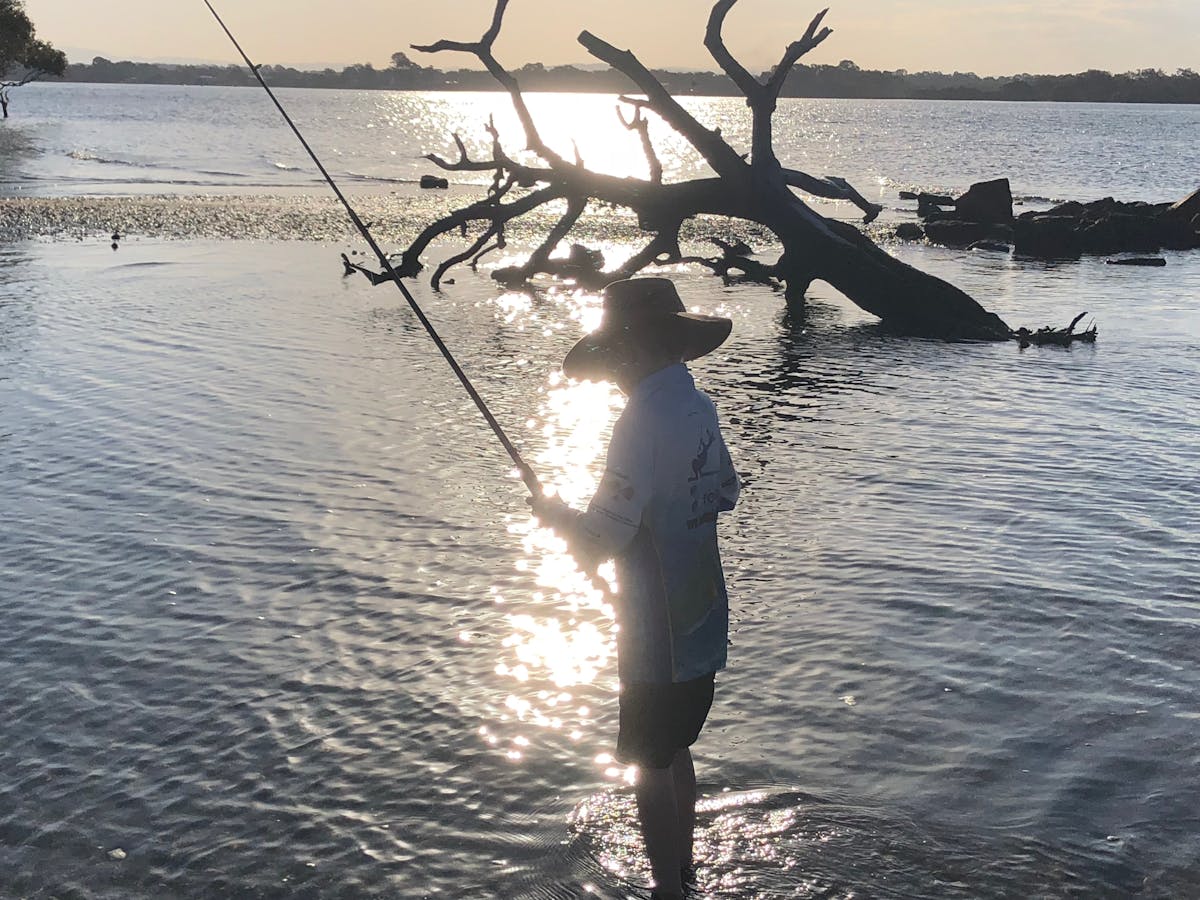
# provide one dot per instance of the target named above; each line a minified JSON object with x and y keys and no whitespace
{"x":667,"y":476}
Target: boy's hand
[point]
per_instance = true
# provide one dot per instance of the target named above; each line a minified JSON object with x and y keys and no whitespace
{"x":552,"y":512}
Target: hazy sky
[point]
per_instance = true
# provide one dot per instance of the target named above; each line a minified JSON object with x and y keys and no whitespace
{"x":984,"y":36}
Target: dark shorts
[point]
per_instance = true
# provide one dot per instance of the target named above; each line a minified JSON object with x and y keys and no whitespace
{"x":658,"y":720}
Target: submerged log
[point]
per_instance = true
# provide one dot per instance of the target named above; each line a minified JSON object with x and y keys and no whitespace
{"x":1057,"y":337}
{"x":1154,"y":262}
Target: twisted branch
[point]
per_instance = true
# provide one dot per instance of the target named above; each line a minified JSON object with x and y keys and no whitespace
{"x":724,"y":160}
{"x":832,"y":188}
{"x":482,"y":50}
{"x":537,"y":259}
{"x":500,"y":244}
{"x":663,"y":249}
{"x":475,"y":250}
{"x":487,"y":210}
{"x":762,"y":98}
{"x":639,"y":124}
{"x":797,"y":49}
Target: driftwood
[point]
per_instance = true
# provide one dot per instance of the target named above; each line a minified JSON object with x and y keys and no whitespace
{"x":753,"y":187}
{"x":1152,"y":262}
{"x":1058,"y":337}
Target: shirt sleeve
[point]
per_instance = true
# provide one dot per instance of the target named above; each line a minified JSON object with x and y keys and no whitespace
{"x":614,"y":514}
{"x":731,"y":486}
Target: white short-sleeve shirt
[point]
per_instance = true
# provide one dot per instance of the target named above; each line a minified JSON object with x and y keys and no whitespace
{"x":667,"y":476}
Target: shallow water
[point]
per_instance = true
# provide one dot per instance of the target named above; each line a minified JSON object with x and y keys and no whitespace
{"x":277,"y":622}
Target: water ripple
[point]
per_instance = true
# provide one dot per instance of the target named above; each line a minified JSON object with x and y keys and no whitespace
{"x":277,"y":622}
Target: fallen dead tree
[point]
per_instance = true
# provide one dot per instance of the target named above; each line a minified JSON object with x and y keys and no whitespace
{"x":749,"y":186}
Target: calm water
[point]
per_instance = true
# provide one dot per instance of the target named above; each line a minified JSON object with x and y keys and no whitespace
{"x":277,"y":623}
{"x":71,"y":139}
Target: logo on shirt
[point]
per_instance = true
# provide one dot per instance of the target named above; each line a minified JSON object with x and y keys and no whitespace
{"x":620,"y":490}
{"x":701,"y":459}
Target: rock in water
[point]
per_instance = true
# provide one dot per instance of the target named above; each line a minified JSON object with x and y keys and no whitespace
{"x":910,"y":231}
{"x":1187,"y":208}
{"x":1119,"y":231}
{"x":434,"y":182}
{"x":957,"y":233}
{"x":986,"y":201}
{"x":929,"y":206}
{"x":1047,"y":237}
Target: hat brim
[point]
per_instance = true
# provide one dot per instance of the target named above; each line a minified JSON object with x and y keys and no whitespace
{"x":596,"y":354}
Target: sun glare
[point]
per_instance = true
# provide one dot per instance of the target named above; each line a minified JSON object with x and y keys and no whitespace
{"x":559,"y":637}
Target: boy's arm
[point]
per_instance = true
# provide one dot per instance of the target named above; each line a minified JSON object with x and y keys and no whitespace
{"x":614,"y":514}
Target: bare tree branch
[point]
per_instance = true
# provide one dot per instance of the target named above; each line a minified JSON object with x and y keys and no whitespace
{"x":760,"y":100}
{"x":639,"y":124}
{"x":476,"y":248}
{"x":791,"y":56}
{"x":723,"y":159}
{"x":832,"y":188}
{"x":761,"y":97}
{"x":500,"y":244}
{"x":464,"y":162}
{"x":528,"y":175}
{"x":575,"y":208}
{"x":482,"y":50}
{"x":662,"y":249}
{"x":746,"y":83}
{"x":735,"y":257}
{"x":485,"y":210}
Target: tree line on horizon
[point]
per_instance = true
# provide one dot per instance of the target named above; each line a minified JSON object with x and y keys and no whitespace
{"x":844,"y":80}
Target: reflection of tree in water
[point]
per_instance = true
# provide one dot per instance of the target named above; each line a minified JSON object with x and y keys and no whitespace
{"x":16,"y":146}
{"x":16,"y":307}
{"x":792,"y":372}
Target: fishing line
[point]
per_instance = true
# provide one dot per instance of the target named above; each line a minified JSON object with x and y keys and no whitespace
{"x":527,"y":474}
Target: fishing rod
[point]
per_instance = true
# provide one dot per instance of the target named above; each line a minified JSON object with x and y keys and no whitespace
{"x":527,"y":474}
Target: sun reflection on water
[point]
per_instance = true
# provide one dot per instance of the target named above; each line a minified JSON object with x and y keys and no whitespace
{"x":426,"y":121}
{"x":558,"y":649}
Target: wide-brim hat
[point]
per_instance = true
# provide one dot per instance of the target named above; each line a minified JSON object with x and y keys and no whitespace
{"x":644,"y":309}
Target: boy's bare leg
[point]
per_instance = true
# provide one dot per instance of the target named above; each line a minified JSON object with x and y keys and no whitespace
{"x":659,"y":816}
{"x":684,"y":774}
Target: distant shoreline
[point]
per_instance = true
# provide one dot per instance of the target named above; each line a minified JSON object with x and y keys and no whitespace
{"x":843,"y":81}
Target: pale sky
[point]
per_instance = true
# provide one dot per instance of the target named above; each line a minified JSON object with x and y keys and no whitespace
{"x":990,"y":37}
